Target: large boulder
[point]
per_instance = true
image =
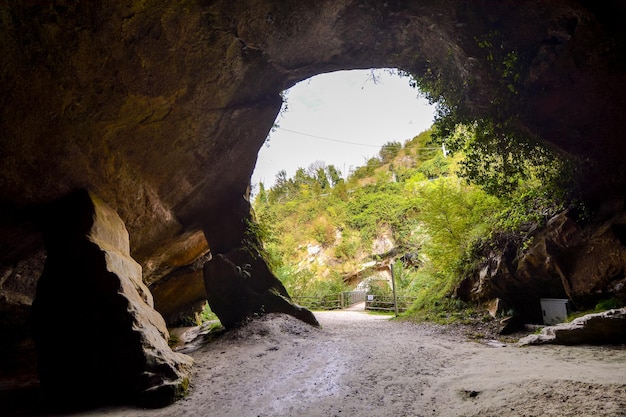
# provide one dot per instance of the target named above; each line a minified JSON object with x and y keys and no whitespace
{"x":608,"y":327}
{"x":238,"y":281}
{"x":97,"y":335}
{"x":240,"y":286}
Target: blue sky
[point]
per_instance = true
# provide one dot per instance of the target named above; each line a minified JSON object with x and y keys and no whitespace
{"x":341,"y":118}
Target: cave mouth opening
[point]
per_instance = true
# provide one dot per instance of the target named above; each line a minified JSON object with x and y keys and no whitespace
{"x":332,"y":125}
{"x":341,"y":118}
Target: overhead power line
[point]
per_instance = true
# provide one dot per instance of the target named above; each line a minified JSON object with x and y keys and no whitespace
{"x":328,"y":139}
{"x":342,"y":141}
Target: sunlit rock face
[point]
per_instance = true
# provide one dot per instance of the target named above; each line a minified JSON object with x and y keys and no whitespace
{"x":160,"y":107}
{"x":97,"y":335}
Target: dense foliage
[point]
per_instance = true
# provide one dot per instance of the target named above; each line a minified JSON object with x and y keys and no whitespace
{"x":479,"y":116}
{"x":320,"y":227}
{"x":442,"y":197}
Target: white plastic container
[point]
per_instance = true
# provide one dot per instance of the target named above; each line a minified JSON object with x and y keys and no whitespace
{"x":554,"y":310}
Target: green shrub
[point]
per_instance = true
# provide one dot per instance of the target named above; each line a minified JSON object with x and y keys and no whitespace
{"x":609,"y":304}
{"x":323,"y":231}
{"x":347,"y":247}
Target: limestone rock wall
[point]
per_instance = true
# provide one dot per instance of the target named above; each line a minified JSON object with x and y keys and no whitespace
{"x":97,"y":335}
{"x":160,"y":106}
{"x":583,"y":262}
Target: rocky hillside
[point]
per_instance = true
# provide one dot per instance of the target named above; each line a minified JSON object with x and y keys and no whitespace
{"x":503,"y":253}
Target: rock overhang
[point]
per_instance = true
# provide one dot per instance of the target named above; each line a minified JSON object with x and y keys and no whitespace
{"x":160,"y":107}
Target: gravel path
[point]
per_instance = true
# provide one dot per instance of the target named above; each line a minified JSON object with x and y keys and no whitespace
{"x":363,"y":365}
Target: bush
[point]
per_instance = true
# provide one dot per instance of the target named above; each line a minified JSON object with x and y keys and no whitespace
{"x":348,"y":246}
{"x":389,"y":151}
{"x":324,"y":232}
{"x":609,"y":304}
{"x":297,"y":282}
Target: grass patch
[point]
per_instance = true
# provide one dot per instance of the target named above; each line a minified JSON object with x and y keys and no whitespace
{"x":380,"y":313}
{"x":603,"y":305}
{"x":446,"y":311}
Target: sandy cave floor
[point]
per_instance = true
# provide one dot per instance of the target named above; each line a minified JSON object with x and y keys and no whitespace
{"x":359,"y":364}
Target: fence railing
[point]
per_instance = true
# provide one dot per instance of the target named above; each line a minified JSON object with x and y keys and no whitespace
{"x":353,"y":297}
{"x":385,"y":302}
{"x":327,"y":302}
{"x":346,"y":299}
{"x":332,"y":301}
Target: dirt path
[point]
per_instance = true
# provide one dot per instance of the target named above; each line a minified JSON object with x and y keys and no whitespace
{"x":366,"y":365}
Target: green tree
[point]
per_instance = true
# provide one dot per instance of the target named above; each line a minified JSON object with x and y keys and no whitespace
{"x":454,"y":215}
{"x":280,"y":190}
{"x":261,"y":197}
{"x":389,"y":151}
{"x":334,"y":175}
{"x":499,"y":153}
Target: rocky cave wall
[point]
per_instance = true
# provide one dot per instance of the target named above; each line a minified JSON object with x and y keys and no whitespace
{"x":160,"y":107}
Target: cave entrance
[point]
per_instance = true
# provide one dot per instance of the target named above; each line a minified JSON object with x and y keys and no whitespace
{"x":336,"y":133}
{"x":341,"y":118}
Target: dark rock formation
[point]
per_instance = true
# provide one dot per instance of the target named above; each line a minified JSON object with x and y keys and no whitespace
{"x":608,"y":327}
{"x":239,"y":283}
{"x":581,"y":262}
{"x":240,"y":286}
{"x":97,"y":335}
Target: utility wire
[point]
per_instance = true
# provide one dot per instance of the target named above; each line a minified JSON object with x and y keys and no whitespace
{"x":341,"y":141}
{"x":328,"y":139}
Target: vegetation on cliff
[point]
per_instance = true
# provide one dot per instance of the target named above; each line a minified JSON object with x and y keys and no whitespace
{"x":408,"y":204}
{"x":439,"y":201}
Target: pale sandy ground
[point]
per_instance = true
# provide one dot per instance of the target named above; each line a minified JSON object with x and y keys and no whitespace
{"x":365,"y":365}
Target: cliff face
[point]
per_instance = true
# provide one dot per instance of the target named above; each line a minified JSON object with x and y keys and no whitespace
{"x":160,"y":107}
{"x":581,"y":262}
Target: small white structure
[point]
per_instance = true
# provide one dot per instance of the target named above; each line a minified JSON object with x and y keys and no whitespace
{"x":554,"y":310}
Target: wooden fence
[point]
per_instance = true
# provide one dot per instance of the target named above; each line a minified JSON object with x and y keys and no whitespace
{"x":327,"y":302}
{"x":331,"y":302}
{"x":352,"y":297}
{"x":348,"y":298}
{"x":385,"y":302}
